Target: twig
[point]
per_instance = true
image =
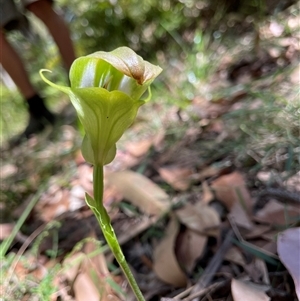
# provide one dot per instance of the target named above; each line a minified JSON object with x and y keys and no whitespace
{"x":184,"y":293}
{"x":204,"y":291}
{"x":234,"y":228}
{"x":281,"y":195}
{"x":212,"y":267}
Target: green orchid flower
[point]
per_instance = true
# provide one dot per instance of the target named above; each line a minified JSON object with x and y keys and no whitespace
{"x":106,"y":88}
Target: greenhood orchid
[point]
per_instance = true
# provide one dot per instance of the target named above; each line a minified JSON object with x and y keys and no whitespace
{"x":106,"y":90}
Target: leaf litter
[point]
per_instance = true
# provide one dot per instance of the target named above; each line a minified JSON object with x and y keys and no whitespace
{"x":197,"y":219}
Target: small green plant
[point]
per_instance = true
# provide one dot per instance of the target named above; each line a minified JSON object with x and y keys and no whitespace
{"x":106,"y":88}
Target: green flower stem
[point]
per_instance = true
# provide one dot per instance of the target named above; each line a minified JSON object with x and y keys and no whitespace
{"x":108,"y":231}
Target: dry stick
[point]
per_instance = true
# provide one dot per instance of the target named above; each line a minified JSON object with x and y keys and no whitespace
{"x":206,"y":290}
{"x":184,"y":293}
{"x":142,"y":226}
{"x":213,"y":266}
{"x":281,"y":194}
{"x":198,"y":294}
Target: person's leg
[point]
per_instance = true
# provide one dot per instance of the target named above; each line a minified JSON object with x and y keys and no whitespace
{"x":13,"y":65}
{"x":39,"y":114}
{"x":57,"y":28}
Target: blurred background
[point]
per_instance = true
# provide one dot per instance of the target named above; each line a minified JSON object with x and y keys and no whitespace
{"x":196,"y":38}
{"x":225,"y":112}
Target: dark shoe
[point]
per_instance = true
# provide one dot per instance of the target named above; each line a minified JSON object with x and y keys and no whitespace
{"x":38,"y":110}
{"x":40,"y":116}
{"x":35,"y":126}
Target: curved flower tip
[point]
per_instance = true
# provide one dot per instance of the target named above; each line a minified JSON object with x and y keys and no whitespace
{"x":106,"y":88}
{"x":61,"y":88}
{"x":121,"y":69}
{"x":127,"y":61}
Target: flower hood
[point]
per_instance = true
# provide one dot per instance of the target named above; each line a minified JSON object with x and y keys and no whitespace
{"x":106,"y":88}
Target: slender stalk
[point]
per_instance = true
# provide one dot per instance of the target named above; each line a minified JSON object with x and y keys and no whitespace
{"x":109,"y":233}
{"x":98,"y":185}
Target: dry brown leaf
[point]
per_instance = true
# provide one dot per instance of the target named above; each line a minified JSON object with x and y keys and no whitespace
{"x":235,"y":255}
{"x":5,"y":230}
{"x":207,"y":195}
{"x":200,"y":218}
{"x":140,"y":191}
{"x":83,"y":271}
{"x":57,"y":200}
{"x":288,"y":246}
{"x":240,"y":217}
{"x":123,"y":160}
{"x":39,"y":272}
{"x":207,"y":172}
{"x":139,"y":148}
{"x":257,"y":271}
{"x":98,"y":262}
{"x":129,"y":231}
{"x":53,"y":203}
{"x":216,"y":126}
{"x":97,"y":266}
{"x":159,"y":139}
{"x":295,"y":77}
{"x":78,"y":158}
{"x":270,"y":235}
{"x":257,"y":231}
{"x":245,"y":291}
{"x":178,"y":177}
{"x":276,"y":213}
{"x":262,"y":266}
{"x":276,"y":29}
{"x":84,"y":288}
{"x":111,"y":196}
{"x":165,"y":263}
{"x":21,"y":270}
{"x":231,"y":189}
{"x":71,"y":266}
{"x":190,"y":247}
{"x":84,"y":178}
{"x":8,"y":170}
{"x":28,"y":267}
{"x":269,"y":248}
{"x":293,"y":182}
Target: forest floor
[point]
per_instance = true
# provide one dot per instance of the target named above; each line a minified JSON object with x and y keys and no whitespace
{"x":204,"y":193}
